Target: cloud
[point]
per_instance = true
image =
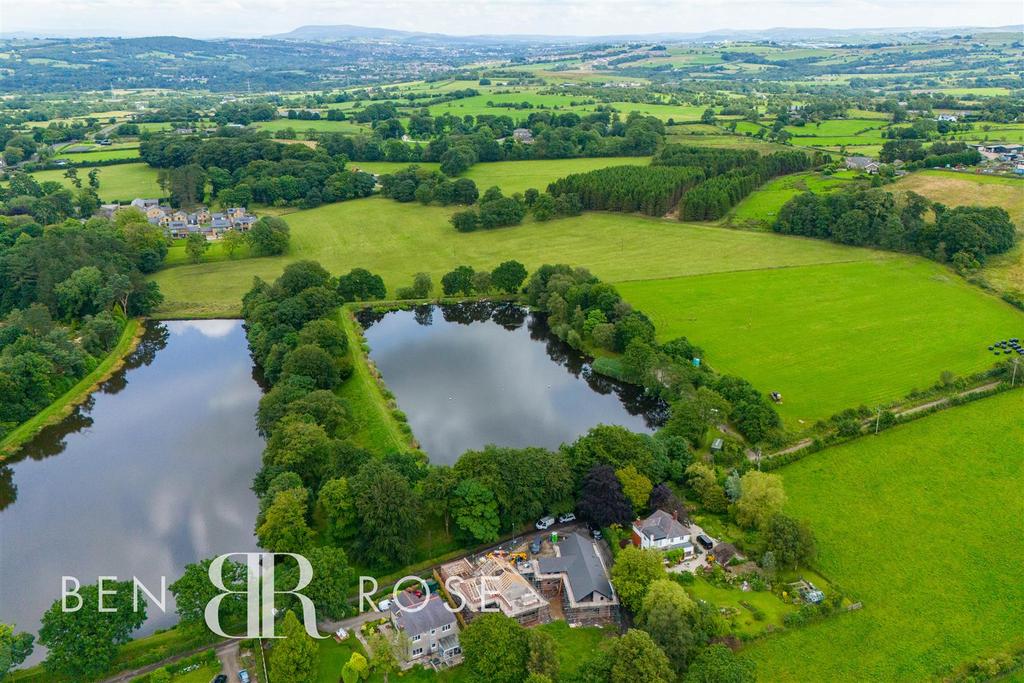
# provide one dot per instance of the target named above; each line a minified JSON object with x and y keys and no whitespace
{"x":201,"y":18}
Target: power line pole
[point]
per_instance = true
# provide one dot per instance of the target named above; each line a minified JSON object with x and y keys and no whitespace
{"x":1013,"y":380}
{"x":878,"y":420}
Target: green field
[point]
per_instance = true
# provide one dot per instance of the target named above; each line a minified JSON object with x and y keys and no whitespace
{"x":835,"y":336}
{"x":121,"y":182}
{"x":397,"y":240}
{"x":514,"y":176}
{"x":101,"y":154}
{"x":518,"y":176}
{"x":761,"y":207}
{"x":320,"y":126}
{"x":922,"y":524}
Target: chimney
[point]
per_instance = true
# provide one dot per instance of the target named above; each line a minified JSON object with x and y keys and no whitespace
{"x":675,"y":515}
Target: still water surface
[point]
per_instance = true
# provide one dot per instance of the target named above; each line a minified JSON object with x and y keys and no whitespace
{"x":468,"y":375}
{"x":152,"y":473}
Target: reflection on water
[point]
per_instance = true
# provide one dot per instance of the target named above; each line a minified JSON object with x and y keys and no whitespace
{"x":476,"y":373}
{"x":153,"y":473}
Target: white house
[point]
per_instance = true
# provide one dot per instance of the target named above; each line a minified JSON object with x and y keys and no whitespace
{"x":662,"y":531}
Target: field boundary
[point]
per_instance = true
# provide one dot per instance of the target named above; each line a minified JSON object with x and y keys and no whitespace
{"x":62,"y":407}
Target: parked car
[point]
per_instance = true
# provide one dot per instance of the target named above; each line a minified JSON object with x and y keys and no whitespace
{"x":705,"y":541}
{"x":341,"y":633}
{"x":545,"y":523}
{"x":243,"y":676}
{"x":596,"y":534}
{"x":566,"y":517}
{"x":221,"y":678}
{"x":383,"y":605}
{"x":535,"y":547}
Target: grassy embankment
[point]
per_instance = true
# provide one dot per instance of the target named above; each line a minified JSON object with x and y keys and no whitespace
{"x":923,"y":524}
{"x":63,"y":406}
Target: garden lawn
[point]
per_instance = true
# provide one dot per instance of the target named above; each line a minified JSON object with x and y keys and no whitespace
{"x":121,"y":182}
{"x":397,"y":240}
{"x":922,"y":524}
{"x":835,"y":336}
{"x":744,"y":622}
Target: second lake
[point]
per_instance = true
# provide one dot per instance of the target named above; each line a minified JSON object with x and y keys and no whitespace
{"x":473,"y":374}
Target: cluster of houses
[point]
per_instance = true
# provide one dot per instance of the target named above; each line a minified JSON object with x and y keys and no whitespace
{"x":178,"y":223}
{"x":568,"y":579}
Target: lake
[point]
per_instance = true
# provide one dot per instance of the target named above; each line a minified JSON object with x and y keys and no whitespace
{"x":150,"y":474}
{"x":471,"y":374}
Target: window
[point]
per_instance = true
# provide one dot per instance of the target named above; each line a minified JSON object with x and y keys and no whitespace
{"x":417,"y":652}
{"x":446,"y":627}
{"x":433,"y":631}
{"x":416,"y":639}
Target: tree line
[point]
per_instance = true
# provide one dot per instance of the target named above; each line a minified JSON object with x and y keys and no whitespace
{"x":651,"y":190}
{"x":245,"y":167}
{"x":712,"y":199}
{"x":66,"y":292}
{"x":964,"y":236}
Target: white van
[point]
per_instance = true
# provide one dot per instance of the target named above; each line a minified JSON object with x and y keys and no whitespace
{"x":545,"y":523}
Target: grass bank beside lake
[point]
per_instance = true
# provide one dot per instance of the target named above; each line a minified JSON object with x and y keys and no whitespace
{"x":62,"y":407}
{"x":376,"y":427}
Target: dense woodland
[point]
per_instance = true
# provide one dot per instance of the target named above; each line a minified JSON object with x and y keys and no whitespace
{"x":65,"y":293}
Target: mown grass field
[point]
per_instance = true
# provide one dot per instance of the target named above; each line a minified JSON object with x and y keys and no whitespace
{"x":834,"y":336}
{"x":1005,"y":271}
{"x":761,"y":207}
{"x":518,"y":176}
{"x":514,"y":176}
{"x":101,"y":154}
{"x":121,"y":182}
{"x":397,"y":240}
{"x":319,"y":125}
{"x":922,"y":524}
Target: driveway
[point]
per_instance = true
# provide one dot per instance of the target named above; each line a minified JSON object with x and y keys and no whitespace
{"x":230,"y":661}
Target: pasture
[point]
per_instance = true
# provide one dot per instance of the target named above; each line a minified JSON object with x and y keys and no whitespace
{"x":834,"y":336}
{"x":922,"y":524}
{"x":397,"y":240}
{"x":122,"y":182}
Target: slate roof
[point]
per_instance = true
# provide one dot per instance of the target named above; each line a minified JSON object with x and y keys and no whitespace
{"x":662,"y":525}
{"x":579,"y":561}
{"x":433,"y":616}
{"x":724,"y":552}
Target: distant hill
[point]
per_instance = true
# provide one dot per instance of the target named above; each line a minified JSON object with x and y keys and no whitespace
{"x":782,"y":34}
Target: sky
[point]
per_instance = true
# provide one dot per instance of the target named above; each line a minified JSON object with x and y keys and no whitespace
{"x":215,"y":18}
